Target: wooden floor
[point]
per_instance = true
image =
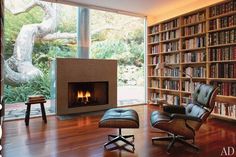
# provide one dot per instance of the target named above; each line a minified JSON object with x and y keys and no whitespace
{"x":81,"y":137}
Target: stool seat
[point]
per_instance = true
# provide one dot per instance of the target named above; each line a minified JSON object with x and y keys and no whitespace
{"x":35,"y":100}
{"x":119,"y":118}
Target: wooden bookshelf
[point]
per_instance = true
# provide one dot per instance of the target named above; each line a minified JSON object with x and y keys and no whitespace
{"x":201,"y":43}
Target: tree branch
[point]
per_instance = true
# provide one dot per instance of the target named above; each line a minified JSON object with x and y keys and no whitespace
{"x":59,"y":35}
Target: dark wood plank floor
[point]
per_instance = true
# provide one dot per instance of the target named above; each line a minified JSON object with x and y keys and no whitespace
{"x":81,"y":137}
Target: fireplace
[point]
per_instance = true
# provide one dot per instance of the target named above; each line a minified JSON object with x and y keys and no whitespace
{"x":85,"y":85}
{"x":87,"y":93}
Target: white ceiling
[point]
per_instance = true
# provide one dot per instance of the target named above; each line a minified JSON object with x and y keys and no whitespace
{"x":150,"y":8}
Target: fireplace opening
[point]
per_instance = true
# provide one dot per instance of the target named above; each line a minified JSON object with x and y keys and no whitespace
{"x":87,"y":93}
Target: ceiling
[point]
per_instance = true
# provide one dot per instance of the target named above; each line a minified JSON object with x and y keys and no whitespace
{"x":149,"y":8}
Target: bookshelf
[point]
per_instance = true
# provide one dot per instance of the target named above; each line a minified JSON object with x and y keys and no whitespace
{"x":201,"y":43}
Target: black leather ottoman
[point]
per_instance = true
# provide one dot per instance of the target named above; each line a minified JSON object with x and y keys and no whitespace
{"x":119,"y":118}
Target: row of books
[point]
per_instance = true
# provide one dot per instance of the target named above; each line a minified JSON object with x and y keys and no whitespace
{"x":154,"y":29}
{"x":225,"y":109}
{"x":223,"y":22}
{"x":197,"y":56}
{"x":222,"y":37}
{"x":197,"y":42}
{"x":171,"y":99}
{"x":155,"y":83}
{"x":172,"y":59}
{"x":172,"y":72}
{"x":194,"y":18}
{"x":155,"y":60}
{"x":225,"y":88}
{"x":154,"y":72}
{"x":171,"y":46}
{"x":155,"y":38}
{"x":223,"y":70}
{"x":171,"y":35}
{"x":170,"y":25}
{"x":196,"y":71}
{"x":154,"y":96}
{"x":156,"y":49}
{"x":171,"y":84}
{"x":186,"y":86}
{"x":223,"y":53}
{"x":223,"y":8}
{"x":195,"y":29}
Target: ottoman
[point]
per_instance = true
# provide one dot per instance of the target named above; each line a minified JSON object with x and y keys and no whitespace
{"x":119,"y":118}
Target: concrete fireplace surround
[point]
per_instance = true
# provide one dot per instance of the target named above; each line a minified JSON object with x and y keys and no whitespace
{"x":84,"y":70}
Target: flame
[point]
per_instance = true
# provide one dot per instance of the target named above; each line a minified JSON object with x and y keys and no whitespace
{"x":87,"y":95}
{"x":80,"y":94}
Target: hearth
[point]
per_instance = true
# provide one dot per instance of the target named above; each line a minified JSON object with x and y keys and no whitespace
{"x":87,"y":93}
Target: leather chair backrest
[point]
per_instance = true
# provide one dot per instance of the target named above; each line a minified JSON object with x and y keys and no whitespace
{"x":203,"y":101}
{"x":202,"y":95}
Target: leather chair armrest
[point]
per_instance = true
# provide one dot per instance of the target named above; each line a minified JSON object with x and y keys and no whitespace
{"x":185,"y":117}
{"x":174,"y":109}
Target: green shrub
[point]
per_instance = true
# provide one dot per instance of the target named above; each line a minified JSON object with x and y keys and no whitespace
{"x":40,"y":86}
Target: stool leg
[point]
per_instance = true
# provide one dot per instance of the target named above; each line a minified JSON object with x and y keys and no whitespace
{"x":43,"y":112}
{"x":27,"y":114}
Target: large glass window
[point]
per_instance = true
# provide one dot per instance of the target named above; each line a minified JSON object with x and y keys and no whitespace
{"x":36,"y":32}
{"x":121,"y":37}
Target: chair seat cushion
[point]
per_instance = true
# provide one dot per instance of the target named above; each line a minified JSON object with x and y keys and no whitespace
{"x":120,"y":118}
{"x":158,"y":116}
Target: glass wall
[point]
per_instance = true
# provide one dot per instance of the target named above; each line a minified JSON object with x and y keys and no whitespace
{"x":121,"y":37}
{"x":36,"y":32}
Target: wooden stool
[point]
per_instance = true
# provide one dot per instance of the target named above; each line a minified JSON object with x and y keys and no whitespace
{"x":27,"y":115}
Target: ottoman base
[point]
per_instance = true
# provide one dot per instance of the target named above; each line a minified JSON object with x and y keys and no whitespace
{"x":116,"y":138}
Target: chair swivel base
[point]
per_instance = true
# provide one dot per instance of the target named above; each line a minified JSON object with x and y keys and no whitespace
{"x":120,"y":137}
{"x":173,"y":139}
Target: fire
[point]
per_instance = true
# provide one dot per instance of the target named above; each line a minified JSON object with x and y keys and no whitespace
{"x":81,"y":94}
{"x":87,"y":95}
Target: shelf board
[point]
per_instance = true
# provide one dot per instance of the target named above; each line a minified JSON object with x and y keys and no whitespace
{"x":170,"y":52}
{"x":151,"y":34}
{"x":221,"y":45}
{"x":151,"y":65}
{"x":222,"y":15}
{"x":153,"y":54}
{"x":154,"y":88}
{"x":193,"y":63}
{"x":154,"y":76}
{"x":165,"y":41}
{"x":194,"y":23}
{"x":222,"y":61}
{"x":222,"y":79}
{"x":185,"y":92}
{"x":193,"y":35}
{"x":170,"y":77}
{"x":154,"y":43}
{"x":194,"y":78}
{"x":172,"y":29}
{"x":221,"y":29}
{"x":226,"y":99}
{"x":194,"y":49}
{"x":170,"y":90}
